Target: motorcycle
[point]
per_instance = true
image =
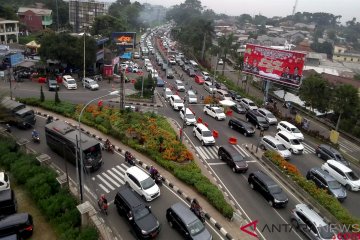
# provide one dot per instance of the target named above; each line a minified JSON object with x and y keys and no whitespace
{"x":130,"y":159}
{"x":157,"y":178}
{"x":199,"y":213}
{"x":36,"y":138}
{"x":49,"y":119}
{"x":109,"y":148}
{"x":103,"y":206}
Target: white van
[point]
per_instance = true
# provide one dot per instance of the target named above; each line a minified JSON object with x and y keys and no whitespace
{"x":290,"y":142}
{"x":342,"y":174}
{"x":176,"y":102}
{"x":69,"y":82}
{"x":288,"y":127}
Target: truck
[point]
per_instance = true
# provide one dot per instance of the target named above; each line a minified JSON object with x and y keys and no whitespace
{"x":17,"y":114}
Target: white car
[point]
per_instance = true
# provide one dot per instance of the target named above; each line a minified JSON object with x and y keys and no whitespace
{"x":288,"y":127}
{"x":176,"y":102}
{"x":270,"y":118}
{"x":202,"y":133}
{"x":248,"y":104}
{"x":187,"y":116}
{"x":206,"y":75}
{"x":290,"y":142}
{"x":342,"y":174}
{"x":191,"y":97}
{"x":215,"y":112}
{"x":4,"y":181}
{"x":69,"y":82}
{"x":142,"y":183}
{"x":154,"y":74}
{"x":220,"y":62}
{"x":136,"y":55}
{"x":90,"y":84}
{"x":167,"y":93}
{"x":209,"y":87}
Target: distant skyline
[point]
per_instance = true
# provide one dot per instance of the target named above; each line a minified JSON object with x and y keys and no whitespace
{"x":269,"y":8}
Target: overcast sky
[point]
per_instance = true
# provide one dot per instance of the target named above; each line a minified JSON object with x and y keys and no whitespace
{"x":346,"y":8}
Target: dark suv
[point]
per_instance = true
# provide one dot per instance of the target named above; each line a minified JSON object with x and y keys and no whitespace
{"x":233,"y":158}
{"x":326,"y":152}
{"x":145,"y":224}
{"x":186,"y":222}
{"x":268,"y":188}
{"x":52,"y":84}
{"x":242,"y":127}
{"x":323,"y":180}
{"x":18,"y":223}
{"x":255,"y":118}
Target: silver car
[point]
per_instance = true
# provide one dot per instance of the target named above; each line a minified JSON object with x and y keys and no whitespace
{"x":270,"y":143}
{"x":270,"y":118}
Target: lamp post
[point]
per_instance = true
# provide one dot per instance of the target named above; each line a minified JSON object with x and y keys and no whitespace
{"x":80,"y":171}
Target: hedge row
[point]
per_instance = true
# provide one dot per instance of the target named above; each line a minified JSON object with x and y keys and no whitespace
{"x":56,"y":204}
{"x":116,"y":125}
{"x":321,"y":196}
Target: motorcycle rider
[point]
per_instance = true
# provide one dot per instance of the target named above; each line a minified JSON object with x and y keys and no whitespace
{"x":153,"y":171}
{"x":195,"y":207}
{"x":128,"y":156}
{"x":107,"y":144}
{"x":103,"y":203}
{"x":34,"y":133}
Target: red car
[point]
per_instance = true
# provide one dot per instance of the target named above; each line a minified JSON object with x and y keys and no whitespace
{"x":199,"y":79}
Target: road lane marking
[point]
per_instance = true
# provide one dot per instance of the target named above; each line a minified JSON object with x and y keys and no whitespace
{"x":241,"y":151}
{"x":106,"y":183}
{"x":116,"y":177}
{"x":122,"y":170}
{"x":104,"y":188}
{"x":202,"y":154}
{"x":118,"y":173}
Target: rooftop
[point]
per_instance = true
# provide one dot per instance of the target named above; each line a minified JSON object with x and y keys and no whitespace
{"x":37,"y":11}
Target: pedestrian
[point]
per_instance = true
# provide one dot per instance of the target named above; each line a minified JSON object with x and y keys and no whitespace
{"x":261,"y":132}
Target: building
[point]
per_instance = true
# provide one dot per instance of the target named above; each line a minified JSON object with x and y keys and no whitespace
{"x":35,"y":19}
{"x":9,"y":31}
{"x":343,"y":54}
{"x":82,"y":13}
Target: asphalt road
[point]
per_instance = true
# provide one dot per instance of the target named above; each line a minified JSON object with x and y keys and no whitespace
{"x":106,"y":181}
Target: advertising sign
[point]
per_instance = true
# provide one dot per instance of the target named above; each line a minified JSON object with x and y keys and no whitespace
{"x":281,"y":66}
{"x":124,"y":39}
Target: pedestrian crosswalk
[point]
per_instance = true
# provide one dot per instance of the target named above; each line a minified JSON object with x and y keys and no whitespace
{"x":308,"y":149}
{"x":111,"y":179}
{"x":210,"y":152}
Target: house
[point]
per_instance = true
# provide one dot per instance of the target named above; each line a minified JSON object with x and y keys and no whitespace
{"x":35,"y":19}
{"x":310,"y":27}
{"x":343,"y":54}
{"x":9,"y":31}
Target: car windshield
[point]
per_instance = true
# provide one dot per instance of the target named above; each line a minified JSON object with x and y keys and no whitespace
{"x":251,"y":104}
{"x":192,"y":96}
{"x":294,"y":142}
{"x":238,"y":158}
{"x":261,"y":120}
{"x":217,"y":110}
{"x":180,"y":84}
{"x":71,"y":82}
{"x":275,"y":189}
{"x":226,"y":95}
{"x":178,"y":101}
{"x":147,"y":183}
{"x":140,"y":213}
{"x":281,"y":147}
{"x":325,"y":232}
{"x":334,"y":184}
{"x":295,"y":130}
{"x":206,"y":134}
{"x":339,"y":157}
{"x":168,"y":93}
{"x":352,"y":176}
{"x":92,"y":83}
{"x":190,"y":116}
{"x":195,"y":227}
{"x":270,"y":115}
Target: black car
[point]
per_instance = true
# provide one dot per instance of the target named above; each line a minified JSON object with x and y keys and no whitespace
{"x":265,"y":185}
{"x":327,"y":152}
{"x":18,"y":223}
{"x":242,"y":127}
{"x":217,"y":85}
{"x":255,"y":118}
{"x":52,"y":84}
{"x":234,"y":95}
{"x":145,"y":224}
{"x":8,"y":204}
{"x":325,"y":181}
{"x":238,"y":108}
{"x":233,"y":158}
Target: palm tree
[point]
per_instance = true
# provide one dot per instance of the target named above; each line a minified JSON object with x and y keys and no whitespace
{"x":226,"y":43}
{"x":208,"y":30}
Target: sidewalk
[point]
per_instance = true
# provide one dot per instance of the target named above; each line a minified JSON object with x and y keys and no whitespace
{"x":217,"y":220}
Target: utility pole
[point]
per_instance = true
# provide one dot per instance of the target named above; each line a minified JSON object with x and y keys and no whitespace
{"x":122,"y":90}
{"x":84,"y":52}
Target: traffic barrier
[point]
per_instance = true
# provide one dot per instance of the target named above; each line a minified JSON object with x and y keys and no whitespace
{"x":229,"y":112}
{"x":206,"y":124}
{"x":199,"y":120}
{"x":215,"y":134}
{"x":233,"y":140}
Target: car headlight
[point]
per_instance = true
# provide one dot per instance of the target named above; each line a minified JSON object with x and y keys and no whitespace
{"x":277,"y":201}
{"x":144,"y":232}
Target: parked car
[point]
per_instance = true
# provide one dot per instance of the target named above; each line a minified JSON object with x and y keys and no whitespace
{"x":18,"y":223}
{"x":188,"y":116}
{"x":248,"y":104}
{"x":160,"y":82}
{"x":342,"y":174}
{"x":255,"y":118}
{"x":186,"y":222}
{"x":90,"y":84}
{"x":53,"y":84}
{"x":288,"y":127}
{"x":176,"y":102}
{"x":214,"y":111}
{"x":8,"y":203}
{"x":233,"y":158}
{"x":327,"y":152}
{"x":290,"y":142}
{"x":268,"y":188}
{"x":270,"y":143}
{"x":325,"y":181}
{"x":270,"y":118}
{"x":4,"y":181}
{"x":142,"y":220}
{"x":311,"y":223}
{"x":142,"y":183}
{"x":238,"y":108}
{"x":202,"y":133}
{"x":199,"y":79}
{"x":241,"y":126}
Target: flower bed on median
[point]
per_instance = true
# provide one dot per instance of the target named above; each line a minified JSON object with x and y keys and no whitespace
{"x":147,"y":133}
{"x":56,"y":204}
{"x":321,"y":196}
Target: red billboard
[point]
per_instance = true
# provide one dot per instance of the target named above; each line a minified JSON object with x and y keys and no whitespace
{"x":281,"y":66}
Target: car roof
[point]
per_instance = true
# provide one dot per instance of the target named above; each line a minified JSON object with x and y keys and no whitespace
{"x":271,"y":138}
{"x":202,"y":126}
{"x":230,"y":150}
{"x":176,"y":97}
{"x":286,"y":134}
{"x":138,"y":173}
{"x":324,"y":174}
{"x":339,"y":165}
{"x":167,"y":89}
{"x":246,"y":99}
{"x":288,"y":124}
{"x":328,"y":147}
{"x":265,"y":178}
{"x":310,"y":213}
{"x":184,"y":213}
{"x":264,"y":110}
{"x":128,"y":195}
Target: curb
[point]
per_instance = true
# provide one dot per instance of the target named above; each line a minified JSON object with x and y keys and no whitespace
{"x":145,"y":166}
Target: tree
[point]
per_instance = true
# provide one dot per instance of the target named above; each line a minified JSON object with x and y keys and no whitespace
{"x":104,"y":25}
{"x":8,"y":12}
{"x":345,"y":100}
{"x":227,"y":45}
{"x":316,"y":93}
{"x":42,"y":96}
{"x":57,"y":99}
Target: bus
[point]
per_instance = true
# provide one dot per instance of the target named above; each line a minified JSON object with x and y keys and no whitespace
{"x":61,"y":138}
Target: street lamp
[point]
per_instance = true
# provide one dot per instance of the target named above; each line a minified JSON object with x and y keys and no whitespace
{"x":80,"y":147}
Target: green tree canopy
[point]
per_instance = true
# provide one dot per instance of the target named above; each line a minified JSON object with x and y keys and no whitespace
{"x":127,"y":13}
{"x":104,"y":25}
